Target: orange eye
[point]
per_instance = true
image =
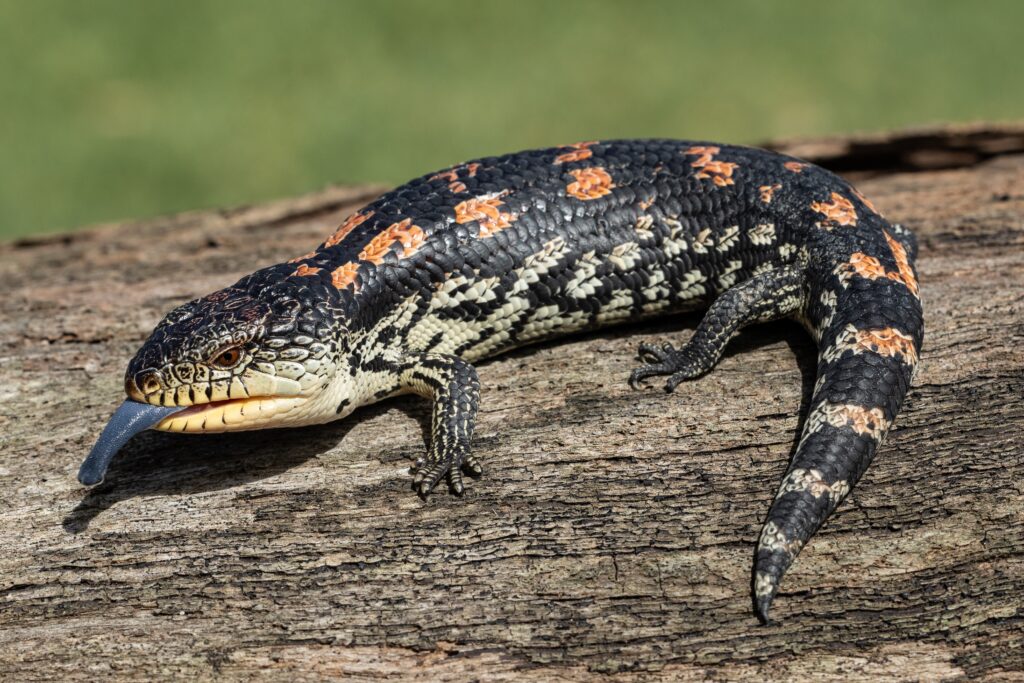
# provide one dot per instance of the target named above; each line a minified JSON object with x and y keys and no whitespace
{"x":228,"y":358}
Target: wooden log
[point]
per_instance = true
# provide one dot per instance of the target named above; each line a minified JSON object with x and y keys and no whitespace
{"x":613,"y":531}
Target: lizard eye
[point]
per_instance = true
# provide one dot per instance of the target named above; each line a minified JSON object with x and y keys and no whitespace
{"x":228,"y":358}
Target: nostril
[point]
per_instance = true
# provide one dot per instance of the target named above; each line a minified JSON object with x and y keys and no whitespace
{"x":148,"y":382}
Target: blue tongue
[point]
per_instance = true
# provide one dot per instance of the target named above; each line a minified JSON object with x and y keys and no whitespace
{"x":130,"y":419}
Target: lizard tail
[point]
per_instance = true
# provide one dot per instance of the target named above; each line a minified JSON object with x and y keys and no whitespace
{"x":867,"y":319}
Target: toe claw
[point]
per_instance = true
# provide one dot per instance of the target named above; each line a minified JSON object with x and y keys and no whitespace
{"x":664,"y":359}
{"x":674,"y":381}
{"x":472,"y":466}
{"x":654,"y":355}
{"x":449,"y":466}
{"x":455,"y":481}
{"x":638,"y":376}
{"x":426,"y":479}
{"x":647,"y":353}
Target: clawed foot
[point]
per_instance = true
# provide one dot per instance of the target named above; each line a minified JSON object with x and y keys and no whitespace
{"x":430,"y":469}
{"x":665,"y":360}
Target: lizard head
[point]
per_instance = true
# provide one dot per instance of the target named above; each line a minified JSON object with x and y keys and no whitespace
{"x":265,"y":352}
{"x":237,"y":360}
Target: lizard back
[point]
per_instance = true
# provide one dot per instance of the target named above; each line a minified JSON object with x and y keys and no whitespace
{"x":503,"y":251}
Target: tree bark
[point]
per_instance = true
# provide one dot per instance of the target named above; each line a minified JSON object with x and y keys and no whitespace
{"x":613,"y":531}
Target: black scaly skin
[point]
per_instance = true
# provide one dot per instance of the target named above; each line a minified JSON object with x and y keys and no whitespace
{"x":496,"y":253}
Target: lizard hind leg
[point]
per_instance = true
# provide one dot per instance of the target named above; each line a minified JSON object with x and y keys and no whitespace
{"x":771,"y":295}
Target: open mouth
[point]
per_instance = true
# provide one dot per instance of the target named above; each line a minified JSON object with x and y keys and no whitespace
{"x":230,"y":415}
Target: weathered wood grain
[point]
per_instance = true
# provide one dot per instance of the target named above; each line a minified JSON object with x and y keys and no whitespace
{"x":614,"y":530}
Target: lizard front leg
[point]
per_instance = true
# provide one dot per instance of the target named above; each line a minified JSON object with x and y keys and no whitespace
{"x":452,"y":384}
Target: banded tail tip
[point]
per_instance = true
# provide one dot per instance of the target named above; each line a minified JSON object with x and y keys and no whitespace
{"x":761,"y":607}
{"x":127,"y":421}
{"x":766,"y":585}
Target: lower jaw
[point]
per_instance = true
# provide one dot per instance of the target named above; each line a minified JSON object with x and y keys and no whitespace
{"x":234,"y":416}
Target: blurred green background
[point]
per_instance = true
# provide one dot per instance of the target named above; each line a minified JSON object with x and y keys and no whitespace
{"x":114,"y":110}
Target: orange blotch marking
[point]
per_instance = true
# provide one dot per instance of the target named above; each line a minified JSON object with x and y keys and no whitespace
{"x":767,"y":191}
{"x":451,"y":175}
{"x":705,"y":153}
{"x":719,"y":172}
{"x":579,"y":152}
{"x":864,"y":200}
{"x":590,"y":183}
{"x":862,"y":265}
{"x":795,"y":166}
{"x":378,"y":246}
{"x":869,"y":422}
{"x":839,"y":211}
{"x":410,"y":236}
{"x":646,"y":203}
{"x":455,"y":186}
{"x":905,"y":273}
{"x":345,"y":275}
{"x":487,"y":212}
{"x":303,"y":257}
{"x":887,"y":341}
{"x":350,"y":224}
{"x":305,"y":271}
{"x":575,"y":155}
